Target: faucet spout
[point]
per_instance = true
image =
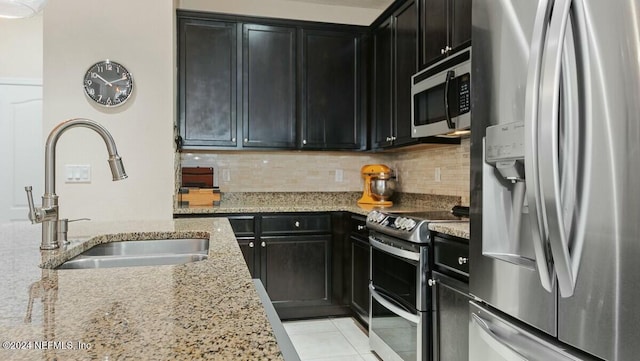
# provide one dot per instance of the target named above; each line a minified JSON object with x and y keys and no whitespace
{"x":48,"y":214}
{"x":115,"y":162}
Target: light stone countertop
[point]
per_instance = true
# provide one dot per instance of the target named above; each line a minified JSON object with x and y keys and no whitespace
{"x":456,"y":229}
{"x":202,"y":310}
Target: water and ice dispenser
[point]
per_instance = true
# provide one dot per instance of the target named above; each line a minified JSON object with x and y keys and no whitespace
{"x":505,"y":221}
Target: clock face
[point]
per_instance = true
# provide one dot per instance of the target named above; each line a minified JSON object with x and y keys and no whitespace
{"x":108,"y":83}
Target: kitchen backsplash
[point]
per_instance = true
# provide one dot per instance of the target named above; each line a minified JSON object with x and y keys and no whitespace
{"x":306,"y":171}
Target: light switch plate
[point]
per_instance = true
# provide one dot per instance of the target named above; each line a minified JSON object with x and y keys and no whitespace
{"x":77,"y":173}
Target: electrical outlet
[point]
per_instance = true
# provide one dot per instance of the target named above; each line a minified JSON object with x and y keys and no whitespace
{"x":438,"y":174}
{"x":226,"y":175}
{"x":77,"y":173}
{"x":339,"y":175}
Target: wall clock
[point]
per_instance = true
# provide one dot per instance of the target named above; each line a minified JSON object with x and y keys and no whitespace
{"x":108,"y":83}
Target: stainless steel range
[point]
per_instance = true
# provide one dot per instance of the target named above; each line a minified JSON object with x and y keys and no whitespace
{"x":400,"y":311}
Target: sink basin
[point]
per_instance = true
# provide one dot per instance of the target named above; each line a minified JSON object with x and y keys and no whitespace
{"x":141,"y":253}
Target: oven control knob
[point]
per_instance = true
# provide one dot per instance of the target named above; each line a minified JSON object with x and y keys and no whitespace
{"x":398,"y":222}
{"x":410,"y":224}
{"x":380,"y":217}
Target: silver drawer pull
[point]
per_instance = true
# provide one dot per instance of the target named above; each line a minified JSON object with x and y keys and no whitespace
{"x":263,"y":244}
{"x":462,"y":260}
{"x":361,"y":227}
{"x":431,"y":282}
{"x":250,"y":244}
{"x":297,"y":224}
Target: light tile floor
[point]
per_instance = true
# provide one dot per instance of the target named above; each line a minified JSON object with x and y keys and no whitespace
{"x":329,"y":339}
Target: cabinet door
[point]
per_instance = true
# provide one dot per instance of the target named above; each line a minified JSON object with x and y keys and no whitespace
{"x":248,"y":248}
{"x":208,"y":83}
{"x":406,"y":65}
{"x":460,"y":18}
{"x":269,"y":86}
{"x":295,"y":270}
{"x":330,"y":91}
{"x":383,"y":85}
{"x":433,"y":34}
{"x":360,"y":278}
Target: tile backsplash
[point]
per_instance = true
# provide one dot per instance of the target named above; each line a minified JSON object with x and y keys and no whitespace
{"x":306,"y":171}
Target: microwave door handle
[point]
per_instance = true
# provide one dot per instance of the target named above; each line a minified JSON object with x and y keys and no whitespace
{"x":450,"y":75}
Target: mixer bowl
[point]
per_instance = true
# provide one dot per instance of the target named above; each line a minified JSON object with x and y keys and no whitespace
{"x":382,"y":189}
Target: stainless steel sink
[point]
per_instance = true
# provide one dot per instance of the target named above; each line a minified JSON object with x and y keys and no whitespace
{"x":141,"y":253}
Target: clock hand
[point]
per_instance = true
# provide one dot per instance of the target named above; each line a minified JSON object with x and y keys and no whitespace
{"x":124,"y":77}
{"x":104,"y":80}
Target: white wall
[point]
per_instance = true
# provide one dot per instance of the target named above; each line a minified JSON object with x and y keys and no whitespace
{"x":21,"y":48}
{"x":287,"y":10}
{"x":140,"y":35}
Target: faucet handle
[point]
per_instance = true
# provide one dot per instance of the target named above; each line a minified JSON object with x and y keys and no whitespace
{"x":32,"y":209}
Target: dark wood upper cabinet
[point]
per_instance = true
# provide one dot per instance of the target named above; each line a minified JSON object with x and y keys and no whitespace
{"x":330,"y":94}
{"x":383,"y":74}
{"x":269,"y":86}
{"x":208,"y":83}
{"x":406,"y":40}
{"x":445,"y":27}
{"x":395,"y":62}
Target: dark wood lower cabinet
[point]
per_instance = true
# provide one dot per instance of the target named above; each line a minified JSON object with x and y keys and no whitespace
{"x":298,"y":258}
{"x":295,"y":270}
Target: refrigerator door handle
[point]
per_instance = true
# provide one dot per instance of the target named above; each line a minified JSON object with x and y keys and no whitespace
{"x":495,"y":341}
{"x":566,"y":257}
{"x":532,"y":178}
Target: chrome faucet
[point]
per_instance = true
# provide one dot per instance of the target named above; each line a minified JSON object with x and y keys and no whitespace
{"x":48,"y":214}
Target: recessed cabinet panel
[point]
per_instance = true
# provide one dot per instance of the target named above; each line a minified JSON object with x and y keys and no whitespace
{"x":330,"y":90}
{"x":406,"y":39}
{"x":208,"y":83}
{"x":383,"y":84}
{"x":269,"y":86}
{"x":433,"y":35}
{"x":296,"y":269}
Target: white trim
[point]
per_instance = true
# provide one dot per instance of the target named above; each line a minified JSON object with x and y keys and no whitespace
{"x":21,"y":81}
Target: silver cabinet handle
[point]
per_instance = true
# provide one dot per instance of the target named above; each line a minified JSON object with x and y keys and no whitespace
{"x":462,"y":260}
{"x":263,"y":244}
{"x":361,"y":227}
{"x":246,"y":140}
{"x":251,"y":244}
{"x":297,"y":224}
{"x":388,"y":139}
{"x":233,"y":139}
{"x":304,"y":141}
{"x":431,"y":282}
{"x":442,"y":51}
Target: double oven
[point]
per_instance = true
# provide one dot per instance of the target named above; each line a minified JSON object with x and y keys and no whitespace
{"x":400,"y":317}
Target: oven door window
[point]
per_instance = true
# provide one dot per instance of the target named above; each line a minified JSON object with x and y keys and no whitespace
{"x":429,"y":106}
{"x":399,"y":334}
{"x":396,"y":277}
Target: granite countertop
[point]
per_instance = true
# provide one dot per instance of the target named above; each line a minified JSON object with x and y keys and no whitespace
{"x":456,"y":229}
{"x":202,"y":310}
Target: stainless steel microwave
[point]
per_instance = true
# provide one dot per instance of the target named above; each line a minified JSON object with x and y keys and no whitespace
{"x":441,"y":97}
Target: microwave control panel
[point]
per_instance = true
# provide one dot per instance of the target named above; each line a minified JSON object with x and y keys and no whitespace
{"x":464,"y":94}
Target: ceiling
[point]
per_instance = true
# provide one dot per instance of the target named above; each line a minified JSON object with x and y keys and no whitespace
{"x":367,"y":4}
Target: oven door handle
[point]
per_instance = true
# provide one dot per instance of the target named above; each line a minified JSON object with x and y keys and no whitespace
{"x":402,"y":253}
{"x":392,"y":307}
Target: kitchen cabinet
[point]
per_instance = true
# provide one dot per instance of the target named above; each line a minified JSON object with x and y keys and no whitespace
{"x":395,"y":61}
{"x":445,"y":26}
{"x":359,"y":275}
{"x":450,"y":293}
{"x":248,"y":83}
{"x":208,"y":83}
{"x":297,"y":258}
{"x":331,"y":90}
{"x":269,"y":86}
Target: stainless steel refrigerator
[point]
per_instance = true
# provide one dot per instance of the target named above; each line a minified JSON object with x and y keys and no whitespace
{"x":555,"y":180}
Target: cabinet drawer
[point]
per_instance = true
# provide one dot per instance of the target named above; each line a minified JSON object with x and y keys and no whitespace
{"x":359,"y":227}
{"x":296,"y":223}
{"x":451,"y":254}
{"x":243,"y":226}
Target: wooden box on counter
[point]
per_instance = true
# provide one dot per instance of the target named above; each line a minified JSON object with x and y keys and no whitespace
{"x":191,"y":196}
